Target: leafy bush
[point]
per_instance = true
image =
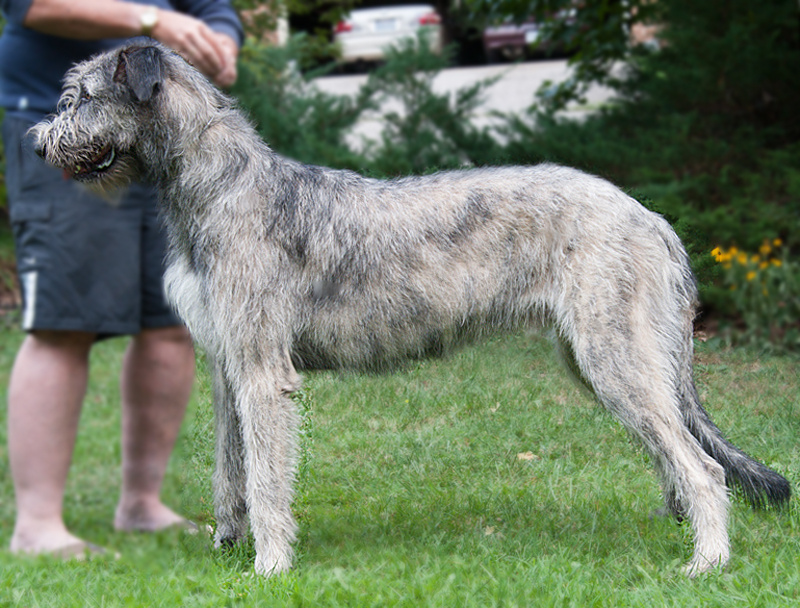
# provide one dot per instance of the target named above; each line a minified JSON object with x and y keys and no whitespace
{"x":294,"y":117}
{"x":427,"y":131}
{"x":430,"y":131}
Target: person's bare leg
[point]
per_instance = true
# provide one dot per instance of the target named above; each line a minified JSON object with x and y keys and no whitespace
{"x":157,"y":376}
{"x":46,"y":391}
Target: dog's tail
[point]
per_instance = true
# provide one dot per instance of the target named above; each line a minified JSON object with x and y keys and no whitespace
{"x":760,"y":485}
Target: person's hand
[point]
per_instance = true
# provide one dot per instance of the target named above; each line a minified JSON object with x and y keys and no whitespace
{"x":227,"y":76}
{"x":207,"y":50}
{"x":212,"y":53}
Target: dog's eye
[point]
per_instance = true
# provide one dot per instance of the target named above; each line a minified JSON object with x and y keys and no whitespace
{"x":85,"y":97}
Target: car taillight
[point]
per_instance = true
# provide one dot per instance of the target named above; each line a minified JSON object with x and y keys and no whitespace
{"x":430,"y":19}
{"x":343,"y":26}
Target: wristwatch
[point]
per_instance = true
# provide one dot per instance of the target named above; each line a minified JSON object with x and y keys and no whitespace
{"x":148,"y":19}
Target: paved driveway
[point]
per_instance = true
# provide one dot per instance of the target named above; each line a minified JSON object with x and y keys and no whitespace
{"x":513,"y":92}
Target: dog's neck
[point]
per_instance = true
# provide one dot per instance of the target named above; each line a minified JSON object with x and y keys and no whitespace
{"x":188,"y":179}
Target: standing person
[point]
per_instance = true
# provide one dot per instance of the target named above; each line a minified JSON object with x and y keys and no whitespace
{"x":90,"y":270}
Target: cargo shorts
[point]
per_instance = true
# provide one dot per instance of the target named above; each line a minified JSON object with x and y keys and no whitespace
{"x":84,"y":263}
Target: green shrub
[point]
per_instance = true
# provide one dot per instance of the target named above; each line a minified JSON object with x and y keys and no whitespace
{"x":295,"y":118}
{"x":431,"y":130}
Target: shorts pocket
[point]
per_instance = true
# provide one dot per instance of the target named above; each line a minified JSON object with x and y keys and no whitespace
{"x":30,"y":211}
{"x":33,"y":234}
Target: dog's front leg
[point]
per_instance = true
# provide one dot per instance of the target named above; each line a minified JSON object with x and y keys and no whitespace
{"x":269,"y":422}
{"x":229,"y":476}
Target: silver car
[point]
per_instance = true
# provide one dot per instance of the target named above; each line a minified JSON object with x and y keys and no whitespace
{"x":365,"y":34}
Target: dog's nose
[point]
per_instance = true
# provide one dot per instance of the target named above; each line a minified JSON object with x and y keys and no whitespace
{"x":39,"y":149}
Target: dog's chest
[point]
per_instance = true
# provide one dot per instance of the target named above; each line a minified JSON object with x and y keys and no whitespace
{"x":185,"y":292}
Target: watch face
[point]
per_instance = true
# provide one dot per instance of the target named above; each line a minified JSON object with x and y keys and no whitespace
{"x":148,"y":20}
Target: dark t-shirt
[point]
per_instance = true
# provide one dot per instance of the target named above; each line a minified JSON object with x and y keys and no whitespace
{"x":32,"y":65}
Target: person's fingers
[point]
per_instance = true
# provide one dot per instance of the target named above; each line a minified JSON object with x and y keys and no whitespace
{"x":193,"y":39}
{"x":227,"y":76}
{"x":229,"y":44}
{"x":207,"y":53}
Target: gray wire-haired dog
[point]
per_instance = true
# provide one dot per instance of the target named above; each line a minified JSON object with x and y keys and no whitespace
{"x":276,"y":265}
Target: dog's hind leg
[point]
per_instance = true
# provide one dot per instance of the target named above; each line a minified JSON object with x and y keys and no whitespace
{"x":229,"y":476}
{"x":567,"y":357}
{"x":640,"y":392}
{"x":694,"y":488}
{"x":269,"y":424}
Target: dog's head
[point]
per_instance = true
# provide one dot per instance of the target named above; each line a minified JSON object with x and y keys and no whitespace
{"x":115,"y":122}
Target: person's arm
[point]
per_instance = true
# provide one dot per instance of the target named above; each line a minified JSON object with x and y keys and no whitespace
{"x":85,"y":20}
{"x":97,"y":19}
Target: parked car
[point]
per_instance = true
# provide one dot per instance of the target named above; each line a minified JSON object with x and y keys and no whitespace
{"x":365,"y":34}
{"x":511,"y":41}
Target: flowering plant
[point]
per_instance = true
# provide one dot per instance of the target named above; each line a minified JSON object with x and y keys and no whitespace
{"x":765,"y":289}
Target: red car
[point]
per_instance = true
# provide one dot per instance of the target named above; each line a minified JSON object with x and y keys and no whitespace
{"x":512,"y":41}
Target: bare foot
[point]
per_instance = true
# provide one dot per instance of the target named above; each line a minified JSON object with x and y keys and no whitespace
{"x":46,"y":538}
{"x":148,"y":517}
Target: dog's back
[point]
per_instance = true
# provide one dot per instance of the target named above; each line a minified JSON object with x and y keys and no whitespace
{"x":414,"y":266}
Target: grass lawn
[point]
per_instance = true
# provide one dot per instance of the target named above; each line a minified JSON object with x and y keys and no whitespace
{"x":485,"y":479}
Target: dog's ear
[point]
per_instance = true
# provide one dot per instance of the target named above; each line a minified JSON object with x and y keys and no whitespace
{"x":139,"y":69}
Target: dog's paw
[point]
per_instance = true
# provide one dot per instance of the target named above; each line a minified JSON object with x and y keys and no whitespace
{"x":701,"y":565}
{"x":273,"y":564}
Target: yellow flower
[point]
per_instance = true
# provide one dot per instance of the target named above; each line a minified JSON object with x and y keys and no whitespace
{"x":763,"y":265}
{"x":755,"y":259}
{"x":716,"y":253}
{"x":777,"y":242}
{"x":742,"y":258}
{"x":777,"y":263}
{"x":765,"y":248}
{"x":751,"y":275}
